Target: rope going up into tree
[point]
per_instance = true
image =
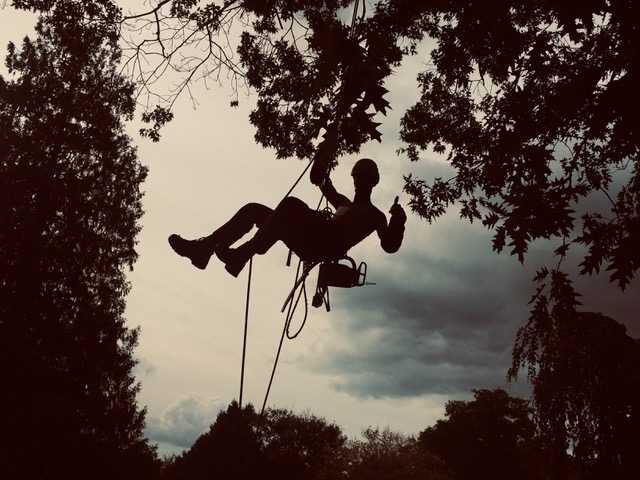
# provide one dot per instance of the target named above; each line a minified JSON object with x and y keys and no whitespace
{"x":292,"y":305}
{"x":291,"y":309}
{"x":355,"y":16}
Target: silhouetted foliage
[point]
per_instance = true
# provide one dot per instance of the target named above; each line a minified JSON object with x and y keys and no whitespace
{"x":584,"y":370}
{"x":309,"y":68}
{"x":383,"y":454}
{"x":491,"y":436}
{"x":531,"y":102}
{"x":280,"y":444}
{"x":70,"y":204}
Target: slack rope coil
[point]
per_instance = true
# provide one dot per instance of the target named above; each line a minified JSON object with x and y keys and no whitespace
{"x":303,"y":290}
{"x":275,"y":362}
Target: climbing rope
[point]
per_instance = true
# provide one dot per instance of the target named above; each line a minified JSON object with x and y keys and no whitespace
{"x":291,"y":306}
{"x":291,"y":309}
{"x":354,"y":17}
{"x":303,"y":290}
{"x":284,"y":332}
{"x":246,"y":325}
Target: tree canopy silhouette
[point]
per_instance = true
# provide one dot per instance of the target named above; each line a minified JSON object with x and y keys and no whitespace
{"x":492,"y":435}
{"x":586,"y":387}
{"x":280,"y":444}
{"x":383,"y":454}
{"x":70,"y":205}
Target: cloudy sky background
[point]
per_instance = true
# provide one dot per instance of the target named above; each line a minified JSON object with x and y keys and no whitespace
{"x":439,"y":322}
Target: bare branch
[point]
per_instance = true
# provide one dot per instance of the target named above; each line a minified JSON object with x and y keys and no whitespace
{"x":161,"y":48}
{"x":154,"y":10}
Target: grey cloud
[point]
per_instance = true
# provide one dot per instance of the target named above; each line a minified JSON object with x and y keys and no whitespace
{"x":182,"y":423}
{"x":436,"y":322}
{"x":443,"y":379}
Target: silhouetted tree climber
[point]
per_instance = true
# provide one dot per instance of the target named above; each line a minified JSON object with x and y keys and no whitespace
{"x":311,"y":234}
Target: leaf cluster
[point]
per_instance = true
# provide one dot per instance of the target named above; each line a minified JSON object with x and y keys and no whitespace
{"x":327,"y":76}
{"x":533,"y":103}
{"x":281,"y":444}
{"x":491,"y":436}
{"x":384,"y":454}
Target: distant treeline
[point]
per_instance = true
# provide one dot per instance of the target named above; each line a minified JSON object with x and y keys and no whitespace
{"x":491,"y":436}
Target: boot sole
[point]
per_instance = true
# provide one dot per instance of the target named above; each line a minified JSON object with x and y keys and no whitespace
{"x":200,"y":263}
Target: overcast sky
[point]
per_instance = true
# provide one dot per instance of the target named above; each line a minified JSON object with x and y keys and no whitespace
{"x":439,"y":321}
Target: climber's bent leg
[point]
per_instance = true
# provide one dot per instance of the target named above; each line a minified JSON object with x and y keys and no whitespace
{"x":283,"y":224}
{"x":249,"y":216}
{"x":200,"y":251}
{"x":292,"y":222}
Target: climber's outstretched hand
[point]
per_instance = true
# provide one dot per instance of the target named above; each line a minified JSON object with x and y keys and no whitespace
{"x":397,"y":212}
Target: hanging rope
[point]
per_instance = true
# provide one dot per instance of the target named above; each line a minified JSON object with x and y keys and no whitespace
{"x":291,"y":309}
{"x":295,"y":184}
{"x":354,"y":17}
{"x":292,"y":306}
{"x":246,"y":325}
{"x":275,"y":362}
{"x":303,"y":290}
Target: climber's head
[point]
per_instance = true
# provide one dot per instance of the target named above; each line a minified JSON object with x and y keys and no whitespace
{"x":365,"y":174}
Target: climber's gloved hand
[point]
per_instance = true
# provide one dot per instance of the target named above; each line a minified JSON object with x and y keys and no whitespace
{"x":324,"y":157}
{"x":397,"y":212}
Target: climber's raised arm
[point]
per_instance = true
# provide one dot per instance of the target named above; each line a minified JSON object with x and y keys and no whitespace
{"x":391,"y":235}
{"x":335,"y":199}
{"x":323,"y":157}
{"x":320,"y":172}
